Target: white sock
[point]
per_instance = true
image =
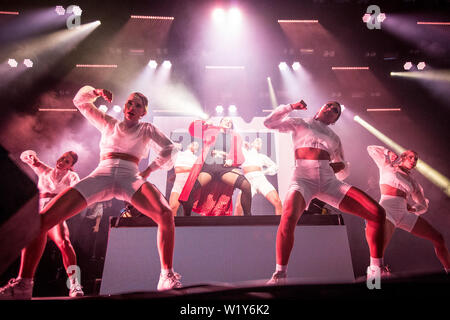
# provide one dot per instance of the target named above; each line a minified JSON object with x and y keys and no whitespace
{"x":165,"y":272}
{"x":281,"y":268}
{"x":376,"y":262}
{"x":74,"y":279}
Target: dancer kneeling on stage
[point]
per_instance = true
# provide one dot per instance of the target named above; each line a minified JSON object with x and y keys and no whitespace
{"x":256,"y":166}
{"x":51,"y":182}
{"x":123,"y":144}
{"x":213,"y":178}
{"x":319,"y":156}
{"x":397,"y":186}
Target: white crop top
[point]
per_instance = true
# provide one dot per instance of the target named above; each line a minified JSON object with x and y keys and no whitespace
{"x":116,"y":137}
{"x":308,"y":133}
{"x":185,"y":159}
{"x":254,"y":158}
{"x":47,"y":180}
{"x":393,"y":176}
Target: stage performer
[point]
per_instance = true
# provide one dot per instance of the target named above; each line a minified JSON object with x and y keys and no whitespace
{"x":256,"y":166}
{"x":403,"y":199}
{"x":52,"y":181}
{"x":319,"y":164}
{"x":182,"y":166}
{"x":213,"y":178}
{"x":122,"y":145}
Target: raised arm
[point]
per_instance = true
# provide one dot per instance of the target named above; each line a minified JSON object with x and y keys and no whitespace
{"x":279,"y":120}
{"x":31,"y":159}
{"x":166,"y":149}
{"x":84,"y":101}
{"x":380,"y":155}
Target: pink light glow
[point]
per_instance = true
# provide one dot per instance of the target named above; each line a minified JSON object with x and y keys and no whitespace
{"x":10,"y":12}
{"x":434,"y":23}
{"x":298,"y":21}
{"x":350,"y":68}
{"x":96,"y":65}
{"x":151,"y":17}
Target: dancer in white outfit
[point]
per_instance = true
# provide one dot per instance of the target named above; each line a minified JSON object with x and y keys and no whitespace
{"x":51,"y":182}
{"x":256,"y":166}
{"x":182,"y":166}
{"x":319,"y":156}
{"x":403,"y":199}
{"x":123,"y":144}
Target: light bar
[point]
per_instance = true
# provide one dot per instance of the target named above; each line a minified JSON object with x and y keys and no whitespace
{"x":298,"y":21}
{"x":349,"y":68}
{"x":307,"y":51}
{"x":151,"y":17}
{"x":434,"y":23}
{"x":96,"y":65}
{"x":57,"y":110}
{"x":224,"y":67}
{"x":10,"y":12}
{"x":383,"y":109}
{"x":137,"y":51}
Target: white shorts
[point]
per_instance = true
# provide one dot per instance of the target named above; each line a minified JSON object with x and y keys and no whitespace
{"x":113,"y":178}
{"x":316,"y":179}
{"x":259,"y":183}
{"x":397,"y":213}
{"x":180,"y":181}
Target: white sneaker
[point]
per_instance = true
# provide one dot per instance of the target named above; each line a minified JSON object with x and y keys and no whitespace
{"x":279,"y":277}
{"x":75,"y":290}
{"x":382,"y":272}
{"x":169,"y":281}
{"x":17,"y":289}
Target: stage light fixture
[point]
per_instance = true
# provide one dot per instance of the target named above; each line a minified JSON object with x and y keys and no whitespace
{"x":283,"y":66}
{"x":296,"y":65}
{"x":152,"y":64}
{"x":117,"y":108}
{"x":28,"y":63}
{"x":12,"y":63}
{"x":421,"y":65}
{"x":103,"y":108}
{"x":381,"y":17}
{"x":366,"y":18}
{"x":234,"y":15}
{"x":76,"y":10}
{"x":167,"y":64}
{"x":218,"y":15}
{"x":408,"y":65}
{"x":219,"y":109}
{"x":232,"y":108}
{"x":60,"y":10}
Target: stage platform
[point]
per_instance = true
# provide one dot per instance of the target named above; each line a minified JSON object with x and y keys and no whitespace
{"x":226,"y":250}
{"x":404,"y":294}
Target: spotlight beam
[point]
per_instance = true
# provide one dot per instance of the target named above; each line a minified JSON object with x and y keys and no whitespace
{"x":426,"y":170}
{"x":273,"y":98}
{"x":434,"y":75}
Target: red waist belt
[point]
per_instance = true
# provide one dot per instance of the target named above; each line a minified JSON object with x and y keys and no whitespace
{"x":118,"y":155}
